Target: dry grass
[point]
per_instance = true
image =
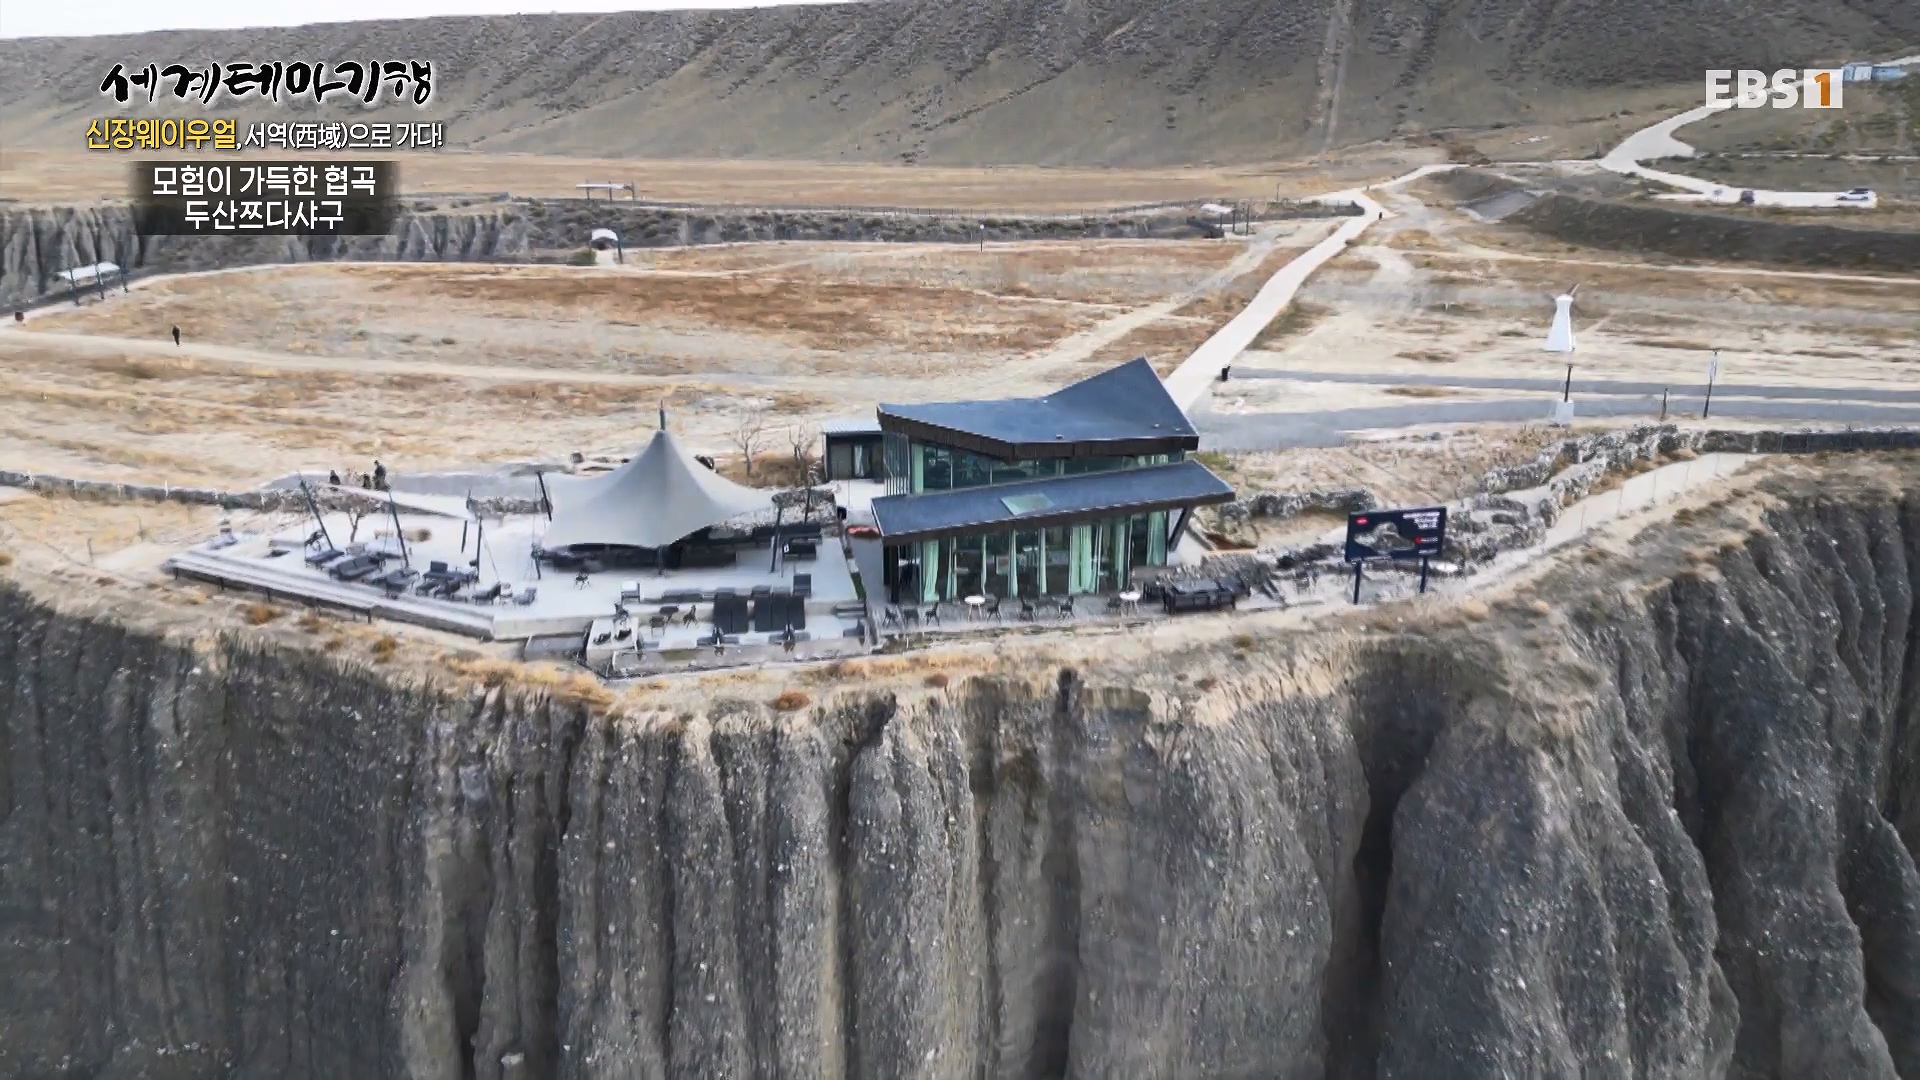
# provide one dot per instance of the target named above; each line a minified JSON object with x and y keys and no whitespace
{"x":791,"y":700}
{"x":1429,"y":356}
{"x":1415,"y":240}
{"x":1687,"y":344}
{"x":6,"y":558}
{"x":938,"y":680}
{"x":384,"y":647}
{"x":1418,"y":391}
{"x":260,"y":614}
{"x":1300,"y":317}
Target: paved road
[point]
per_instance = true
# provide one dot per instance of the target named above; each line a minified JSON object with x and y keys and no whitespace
{"x":1278,"y":431}
{"x":1192,"y":381}
{"x":1658,"y":141}
{"x":1614,"y":387}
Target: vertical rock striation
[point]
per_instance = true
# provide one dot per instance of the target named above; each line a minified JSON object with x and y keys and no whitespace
{"x":1665,"y":828}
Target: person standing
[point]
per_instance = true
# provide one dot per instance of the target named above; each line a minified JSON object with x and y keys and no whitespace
{"x":176,"y":337}
{"x":379,"y":476}
{"x":333,"y":477}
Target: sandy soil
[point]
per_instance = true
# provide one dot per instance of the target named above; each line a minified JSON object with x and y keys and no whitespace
{"x":1431,"y":293}
{"x":439,"y":366}
{"x":44,"y":176}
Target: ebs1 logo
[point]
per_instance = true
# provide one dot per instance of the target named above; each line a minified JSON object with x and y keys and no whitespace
{"x":1788,"y":88}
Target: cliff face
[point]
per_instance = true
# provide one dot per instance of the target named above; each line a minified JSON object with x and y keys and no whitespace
{"x":37,"y":243}
{"x":1664,"y":828}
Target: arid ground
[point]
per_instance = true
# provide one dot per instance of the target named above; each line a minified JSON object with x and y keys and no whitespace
{"x":430,"y":366}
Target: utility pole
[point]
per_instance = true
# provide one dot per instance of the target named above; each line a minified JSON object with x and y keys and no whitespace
{"x":1713,"y":372}
{"x":983,"y":238}
{"x":1566,"y":392}
{"x":1663,"y":403}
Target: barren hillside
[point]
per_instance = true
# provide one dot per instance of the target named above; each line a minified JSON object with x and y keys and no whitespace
{"x":1045,"y":81}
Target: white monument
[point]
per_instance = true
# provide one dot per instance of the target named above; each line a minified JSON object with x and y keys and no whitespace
{"x":1560,"y":335}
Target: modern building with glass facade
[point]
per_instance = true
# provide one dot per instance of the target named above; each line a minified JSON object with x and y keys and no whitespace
{"x":1025,"y":497}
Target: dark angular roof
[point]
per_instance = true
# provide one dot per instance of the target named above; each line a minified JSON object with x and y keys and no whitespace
{"x":1032,"y":504}
{"x":1125,"y":410}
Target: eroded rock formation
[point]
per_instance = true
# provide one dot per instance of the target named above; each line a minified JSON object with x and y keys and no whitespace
{"x":1644,"y":821}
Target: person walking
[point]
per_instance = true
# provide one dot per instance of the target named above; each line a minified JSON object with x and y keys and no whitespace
{"x":176,"y":337}
{"x":379,"y":476}
{"x":19,"y":316}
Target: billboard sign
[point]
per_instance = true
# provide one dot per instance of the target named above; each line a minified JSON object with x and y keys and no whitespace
{"x":1395,"y":534}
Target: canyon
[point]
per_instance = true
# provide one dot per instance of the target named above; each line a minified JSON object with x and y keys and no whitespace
{"x":1648,"y":812}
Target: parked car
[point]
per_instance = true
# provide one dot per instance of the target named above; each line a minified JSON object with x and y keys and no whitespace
{"x":1857,"y":195}
{"x":1746,"y":198}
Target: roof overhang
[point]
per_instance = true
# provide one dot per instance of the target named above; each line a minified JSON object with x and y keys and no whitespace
{"x":1070,"y":499}
{"x":1034,"y":450}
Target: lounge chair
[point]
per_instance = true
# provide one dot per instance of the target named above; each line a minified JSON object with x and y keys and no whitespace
{"x":355,"y":568}
{"x":803,"y":584}
{"x":526,"y":596}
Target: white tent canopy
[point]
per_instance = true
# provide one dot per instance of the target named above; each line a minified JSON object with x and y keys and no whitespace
{"x":88,"y":274}
{"x":659,"y":496}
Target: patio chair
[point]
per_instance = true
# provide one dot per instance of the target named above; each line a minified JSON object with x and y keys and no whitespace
{"x":909,"y":620}
{"x":803,"y":584}
{"x":580,"y":580}
{"x":991,"y":610}
{"x":933,"y":616}
{"x":891,"y":617}
{"x":1026,"y":610}
{"x":526,"y":596}
{"x":658,"y":625}
{"x":691,"y":618}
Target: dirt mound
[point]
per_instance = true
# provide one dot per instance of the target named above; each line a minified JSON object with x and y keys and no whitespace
{"x":1130,"y":81}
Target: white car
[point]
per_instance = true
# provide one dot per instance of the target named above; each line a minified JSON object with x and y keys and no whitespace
{"x":1857,"y":195}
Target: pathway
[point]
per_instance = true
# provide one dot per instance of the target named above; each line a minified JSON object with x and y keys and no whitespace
{"x":1865,"y":394}
{"x":1250,"y":432}
{"x":1657,"y":141}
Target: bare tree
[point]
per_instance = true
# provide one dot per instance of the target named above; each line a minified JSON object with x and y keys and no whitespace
{"x":802,"y":438}
{"x":750,"y":434}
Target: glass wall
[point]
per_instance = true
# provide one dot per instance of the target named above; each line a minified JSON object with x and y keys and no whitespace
{"x":894,"y":459}
{"x":1091,"y":557}
{"x":945,"y":468}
